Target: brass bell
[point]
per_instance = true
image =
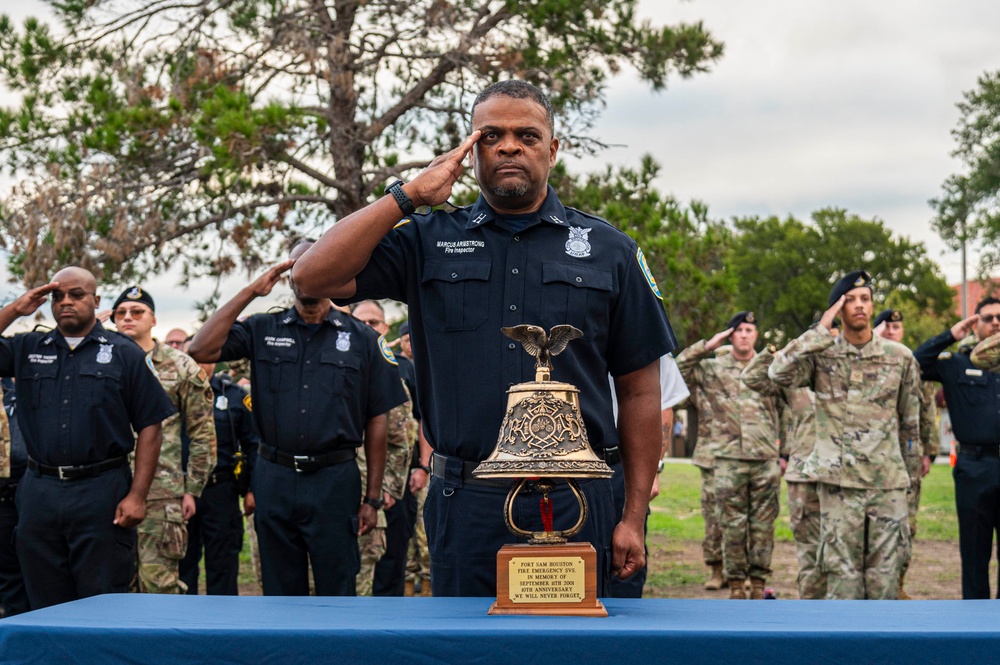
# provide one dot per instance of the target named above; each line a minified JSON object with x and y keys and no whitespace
{"x":543,"y":436}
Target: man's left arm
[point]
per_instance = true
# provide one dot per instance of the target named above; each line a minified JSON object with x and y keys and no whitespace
{"x":375,"y":452}
{"x":639,"y":429}
{"x":132,"y":509}
{"x":196,"y":405}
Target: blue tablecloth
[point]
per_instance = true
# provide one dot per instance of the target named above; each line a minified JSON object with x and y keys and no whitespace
{"x":411,"y":631}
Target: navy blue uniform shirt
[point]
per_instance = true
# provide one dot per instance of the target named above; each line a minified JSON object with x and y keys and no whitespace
{"x":80,"y":406}
{"x":313,"y":391}
{"x":467,"y":273}
{"x":234,"y":426}
{"x":972,"y":394}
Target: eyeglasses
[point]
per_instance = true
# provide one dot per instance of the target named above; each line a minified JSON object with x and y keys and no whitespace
{"x":988,"y":318}
{"x":75,"y":295}
{"x":176,"y":343}
{"x":134,"y":312}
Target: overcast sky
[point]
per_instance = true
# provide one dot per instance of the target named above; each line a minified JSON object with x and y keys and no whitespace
{"x":821,"y":103}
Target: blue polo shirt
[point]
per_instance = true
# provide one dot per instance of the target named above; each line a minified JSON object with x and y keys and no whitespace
{"x":466,"y":274}
{"x":314,"y":387}
{"x":80,"y":406}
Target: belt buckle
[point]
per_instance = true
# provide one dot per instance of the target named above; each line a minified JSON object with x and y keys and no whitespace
{"x":62,"y":470}
{"x":300,"y":458}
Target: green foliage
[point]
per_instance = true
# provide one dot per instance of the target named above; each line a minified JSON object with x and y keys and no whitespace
{"x":786,"y":268}
{"x":207,"y":132}
{"x":969,"y":206}
{"x":685,"y":249}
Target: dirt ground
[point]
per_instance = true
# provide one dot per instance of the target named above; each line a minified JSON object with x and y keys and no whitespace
{"x":676,"y":571}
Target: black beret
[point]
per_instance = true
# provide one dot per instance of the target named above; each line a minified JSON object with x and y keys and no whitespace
{"x":887,"y":315}
{"x":133,"y":294}
{"x":742,"y":317}
{"x":404,"y":328}
{"x":851,"y":280}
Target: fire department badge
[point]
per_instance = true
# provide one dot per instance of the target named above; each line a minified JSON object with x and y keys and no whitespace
{"x":577,"y":245}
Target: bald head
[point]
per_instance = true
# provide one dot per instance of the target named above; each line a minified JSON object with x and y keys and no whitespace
{"x":76,"y":275}
{"x":75,"y":301}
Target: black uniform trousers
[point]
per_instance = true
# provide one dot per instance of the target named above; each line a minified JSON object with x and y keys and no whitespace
{"x":631,"y":587}
{"x":216,"y":529}
{"x":465,"y":529}
{"x":13,"y":597}
{"x":67,"y":543}
{"x":390,"y":571}
{"x":305,"y":518}
{"x":977,"y":500}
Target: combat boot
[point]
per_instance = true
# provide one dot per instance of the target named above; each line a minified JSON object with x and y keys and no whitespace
{"x":408,"y":588}
{"x":716,"y":581}
{"x":736,"y":590}
{"x":902,"y":594}
{"x":756,"y":588}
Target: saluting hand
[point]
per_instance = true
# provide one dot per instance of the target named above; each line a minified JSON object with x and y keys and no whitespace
{"x":961,"y":329}
{"x":262,"y":285}
{"x":29,"y":302}
{"x":718,"y":339}
{"x":829,"y":315}
{"x":433,"y":185}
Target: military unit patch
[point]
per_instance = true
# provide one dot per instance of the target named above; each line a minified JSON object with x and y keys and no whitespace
{"x":134,"y":293}
{"x":383,"y":346}
{"x":247,"y":402}
{"x":648,"y":275}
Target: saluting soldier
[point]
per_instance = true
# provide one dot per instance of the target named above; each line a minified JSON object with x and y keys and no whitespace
{"x":744,"y":425}
{"x":171,"y":501}
{"x":517,"y":256}
{"x":81,"y":393}
{"x":867,"y":426}
{"x":322,"y":384}
{"x":889,"y":324}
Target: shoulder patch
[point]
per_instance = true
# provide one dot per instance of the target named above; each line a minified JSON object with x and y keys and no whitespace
{"x":647,"y":274}
{"x":944,"y":355}
{"x":402,"y":222}
{"x":383,"y":346}
{"x":149,"y":364}
{"x":247,"y":402}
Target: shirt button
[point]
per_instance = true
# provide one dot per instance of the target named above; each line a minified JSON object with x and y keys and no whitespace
{"x":306,"y":387}
{"x":512,"y":346}
{"x":513,"y":308}
{"x":65,"y":401}
{"x":308,"y":362}
{"x":517,"y":238}
{"x":514,"y":271}
{"x":510,"y":385}
{"x":303,"y":410}
{"x":579,"y":279}
{"x":64,"y":425}
{"x":454,"y":275}
{"x":66,"y":377}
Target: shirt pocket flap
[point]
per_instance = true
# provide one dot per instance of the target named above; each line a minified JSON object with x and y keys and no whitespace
{"x":577,"y":275}
{"x":456,"y":271}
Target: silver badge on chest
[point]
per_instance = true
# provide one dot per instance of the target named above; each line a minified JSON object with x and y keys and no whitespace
{"x":343,"y":341}
{"x":104,"y":354}
{"x":222,"y":402}
{"x":577,"y":245}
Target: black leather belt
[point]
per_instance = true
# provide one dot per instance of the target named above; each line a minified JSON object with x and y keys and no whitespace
{"x":611,"y":456}
{"x":306,"y":463}
{"x":219,"y":476}
{"x":439,"y":465}
{"x":77,"y":472}
{"x":978,"y":451}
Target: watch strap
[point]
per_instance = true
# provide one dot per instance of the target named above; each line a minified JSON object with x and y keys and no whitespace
{"x":404,"y":202}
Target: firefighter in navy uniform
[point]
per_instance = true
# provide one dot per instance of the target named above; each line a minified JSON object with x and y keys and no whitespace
{"x":217,"y":526}
{"x":81,"y":392}
{"x":322,"y":384}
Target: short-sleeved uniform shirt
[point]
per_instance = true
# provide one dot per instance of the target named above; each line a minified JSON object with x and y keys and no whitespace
{"x":314,"y":386}
{"x":80,"y":406}
{"x":465,"y":274}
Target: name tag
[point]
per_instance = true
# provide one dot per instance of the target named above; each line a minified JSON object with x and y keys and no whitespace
{"x":973,"y":372}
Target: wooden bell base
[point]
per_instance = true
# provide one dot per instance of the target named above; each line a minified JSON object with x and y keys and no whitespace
{"x":548,"y":580}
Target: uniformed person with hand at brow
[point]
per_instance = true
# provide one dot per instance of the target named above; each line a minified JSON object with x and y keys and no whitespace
{"x":176,"y":485}
{"x":81,"y":392}
{"x":322,"y":384}
{"x":517,"y":256}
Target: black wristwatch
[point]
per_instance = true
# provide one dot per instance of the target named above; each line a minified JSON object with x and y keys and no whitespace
{"x":375,"y":503}
{"x":404,"y":202}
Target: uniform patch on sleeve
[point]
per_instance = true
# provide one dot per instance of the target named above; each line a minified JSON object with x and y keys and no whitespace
{"x":640,"y":257}
{"x":383,"y":346}
{"x":402,"y":222}
{"x":944,"y":355}
{"x":247,"y":402}
{"x":149,"y":364}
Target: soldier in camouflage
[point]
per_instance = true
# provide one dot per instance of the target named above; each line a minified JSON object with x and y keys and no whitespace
{"x":798,"y":437}
{"x":744,"y":431}
{"x":889,"y":325}
{"x":171,"y":500}
{"x":867,"y":427}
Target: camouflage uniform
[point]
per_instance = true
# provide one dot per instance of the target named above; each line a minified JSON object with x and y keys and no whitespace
{"x":798,"y":437}
{"x":4,"y":441}
{"x":704,"y":458}
{"x":163,"y":534}
{"x":867,"y":428}
{"x":744,"y":430}
{"x":401,"y":429}
{"x":418,"y":559}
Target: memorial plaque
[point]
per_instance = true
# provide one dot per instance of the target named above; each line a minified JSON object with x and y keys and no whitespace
{"x":548,"y":580}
